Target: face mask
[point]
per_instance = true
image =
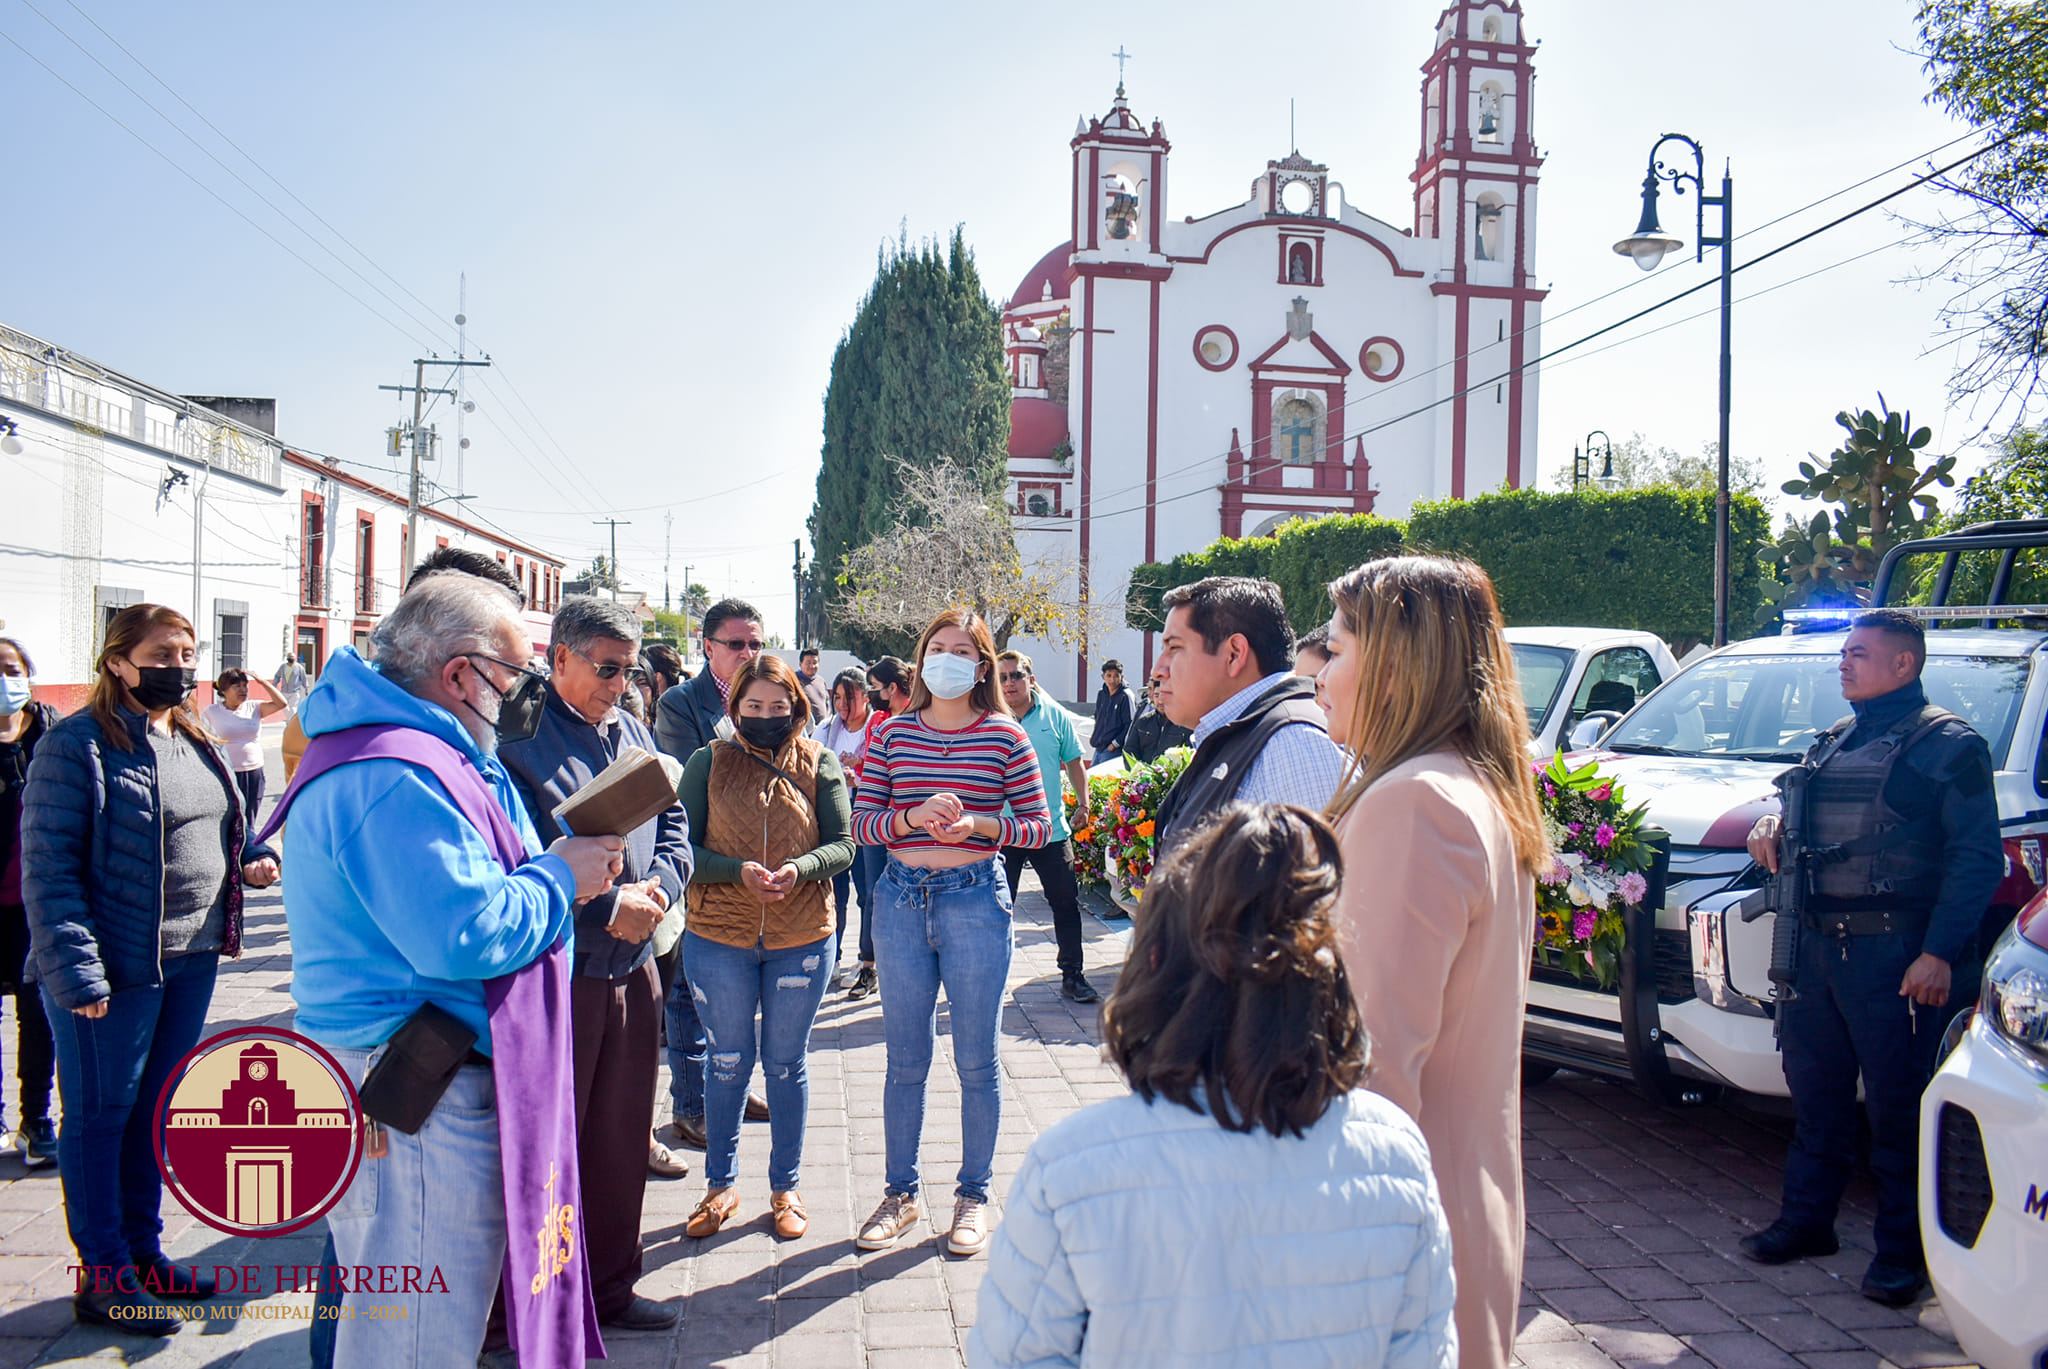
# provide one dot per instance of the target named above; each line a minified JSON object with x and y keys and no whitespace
{"x":948,"y":676}
{"x":767,"y":733}
{"x":519,"y":708}
{"x":876,"y":701}
{"x":14,"y":692}
{"x":163,"y":686}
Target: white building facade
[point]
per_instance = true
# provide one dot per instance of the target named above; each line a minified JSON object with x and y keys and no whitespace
{"x":1179,"y":380}
{"x":123,"y":493}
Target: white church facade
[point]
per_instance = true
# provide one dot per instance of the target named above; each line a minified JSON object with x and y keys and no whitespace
{"x":1179,"y":379}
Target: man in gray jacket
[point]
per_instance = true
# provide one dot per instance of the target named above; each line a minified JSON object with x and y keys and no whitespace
{"x":615,"y":997}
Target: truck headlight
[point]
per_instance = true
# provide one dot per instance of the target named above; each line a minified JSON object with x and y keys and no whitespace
{"x":2015,"y":998}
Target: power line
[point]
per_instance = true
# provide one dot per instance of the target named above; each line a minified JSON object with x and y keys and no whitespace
{"x":1538,"y":361}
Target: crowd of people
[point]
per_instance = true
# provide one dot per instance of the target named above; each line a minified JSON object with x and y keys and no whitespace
{"x":1319,"y":1016}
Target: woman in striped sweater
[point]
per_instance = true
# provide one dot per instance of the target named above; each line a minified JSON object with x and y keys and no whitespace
{"x":932,"y":792}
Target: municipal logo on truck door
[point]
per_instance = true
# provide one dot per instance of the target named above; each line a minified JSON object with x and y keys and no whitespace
{"x":258,"y":1132}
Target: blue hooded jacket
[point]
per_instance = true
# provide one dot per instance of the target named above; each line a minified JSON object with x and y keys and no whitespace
{"x":394,"y":900}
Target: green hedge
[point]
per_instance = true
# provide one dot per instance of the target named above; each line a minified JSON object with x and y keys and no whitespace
{"x":1633,"y":559}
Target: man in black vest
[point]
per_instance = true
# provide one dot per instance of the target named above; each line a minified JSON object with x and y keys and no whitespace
{"x":1902,"y":852}
{"x":1225,"y":672}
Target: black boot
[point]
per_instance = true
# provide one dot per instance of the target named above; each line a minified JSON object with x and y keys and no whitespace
{"x":1781,"y":1242}
{"x":1894,"y":1285}
{"x":134,"y":1312}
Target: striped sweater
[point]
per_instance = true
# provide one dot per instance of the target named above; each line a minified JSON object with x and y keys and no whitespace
{"x":984,"y":765}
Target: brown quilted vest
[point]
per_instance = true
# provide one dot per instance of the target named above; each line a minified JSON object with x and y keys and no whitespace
{"x":754,"y":814}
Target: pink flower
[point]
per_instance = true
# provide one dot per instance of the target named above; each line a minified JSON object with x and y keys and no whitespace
{"x":1634,"y":887}
{"x":1603,"y":793}
{"x":1583,"y":922}
{"x":1604,"y":835}
{"x":1575,"y":827}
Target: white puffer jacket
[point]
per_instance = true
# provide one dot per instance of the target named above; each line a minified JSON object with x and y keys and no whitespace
{"x":1140,"y":1234}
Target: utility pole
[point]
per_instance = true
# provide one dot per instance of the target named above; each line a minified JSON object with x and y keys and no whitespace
{"x":614,"y":524}
{"x":797,"y":574}
{"x":668,"y":533}
{"x":421,"y":442}
{"x":687,"y":601}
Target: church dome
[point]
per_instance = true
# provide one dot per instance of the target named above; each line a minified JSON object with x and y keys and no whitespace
{"x":1047,"y":280}
{"x":1037,"y":427}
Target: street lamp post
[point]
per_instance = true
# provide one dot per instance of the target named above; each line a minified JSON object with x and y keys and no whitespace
{"x":1582,"y":463}
{"x":1647,"y":246}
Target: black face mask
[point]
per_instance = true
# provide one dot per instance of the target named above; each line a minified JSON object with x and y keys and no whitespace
{"x":767,"y":733}
{"x":163,"y":686}
{"x":877,"y":701}
{"x":519,"y":708}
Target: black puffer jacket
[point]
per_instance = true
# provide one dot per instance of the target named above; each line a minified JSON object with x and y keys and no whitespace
{"x":92,"y":864}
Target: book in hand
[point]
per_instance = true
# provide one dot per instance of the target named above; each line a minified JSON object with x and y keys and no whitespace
{"x":632,"y":791}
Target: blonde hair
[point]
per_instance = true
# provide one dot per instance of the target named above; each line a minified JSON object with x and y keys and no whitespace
{"x":1435,"y":673}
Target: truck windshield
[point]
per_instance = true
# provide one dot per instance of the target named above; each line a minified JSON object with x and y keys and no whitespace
{"x":1541,"y":670}
{"x":1768,"y":708}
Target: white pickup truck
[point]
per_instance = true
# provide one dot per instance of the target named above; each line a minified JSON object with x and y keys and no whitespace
{"x":1692,"y":1011}
{"x":1571,"y":675}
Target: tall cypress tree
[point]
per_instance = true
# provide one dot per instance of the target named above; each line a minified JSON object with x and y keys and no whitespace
{"x":917,"y":377}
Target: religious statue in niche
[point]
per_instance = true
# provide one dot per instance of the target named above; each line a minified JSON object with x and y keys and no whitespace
{"x":1300,"y":264}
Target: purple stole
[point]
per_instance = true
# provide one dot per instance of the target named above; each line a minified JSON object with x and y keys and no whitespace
{"x":545,"y":1285}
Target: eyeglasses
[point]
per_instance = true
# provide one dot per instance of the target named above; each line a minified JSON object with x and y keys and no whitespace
{"x":474,"y":656}
{"x":611,"y":670}
{"x":738,"y":644}
{"x":1014,"y":676}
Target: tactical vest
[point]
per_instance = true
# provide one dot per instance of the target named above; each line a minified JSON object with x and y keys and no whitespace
{"x":1223,"y":760}
{"x":1863,"y":849}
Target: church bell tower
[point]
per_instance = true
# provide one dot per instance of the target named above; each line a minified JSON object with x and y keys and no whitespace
{"x":1475,"y":194}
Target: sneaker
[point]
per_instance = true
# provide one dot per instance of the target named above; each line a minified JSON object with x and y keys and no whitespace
{"x":896,"y":1215}
{"x":842,"y":976}
{"x":1894,"y":1285}
{"x":1075,"y":986}
{"x":863,"y":983}
{"x":38,"y":1142}
{"x":969,"y":1235}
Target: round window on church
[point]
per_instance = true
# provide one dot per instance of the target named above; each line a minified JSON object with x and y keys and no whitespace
{"x":1380,"y":358}
{"x":1298,"y":197}
{"x":1216,"y":348}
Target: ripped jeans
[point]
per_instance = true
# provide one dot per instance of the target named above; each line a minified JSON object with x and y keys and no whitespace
{"x":730,"y":983}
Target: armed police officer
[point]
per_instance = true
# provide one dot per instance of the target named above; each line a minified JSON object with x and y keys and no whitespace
{"x":1899,"y":852}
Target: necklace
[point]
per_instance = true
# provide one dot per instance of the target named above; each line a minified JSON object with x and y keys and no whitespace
{"x":946,"y":748}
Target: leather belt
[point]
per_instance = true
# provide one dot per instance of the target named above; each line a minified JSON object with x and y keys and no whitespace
{"x":1867,"y":922}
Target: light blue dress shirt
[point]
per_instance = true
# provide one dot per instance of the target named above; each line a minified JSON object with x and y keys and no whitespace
{"x":1299,"y":764}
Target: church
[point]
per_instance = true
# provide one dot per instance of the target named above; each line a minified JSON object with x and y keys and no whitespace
{"x":1175,"y":380}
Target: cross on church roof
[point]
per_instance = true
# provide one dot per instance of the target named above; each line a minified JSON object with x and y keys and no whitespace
{"x":1121,"y":57}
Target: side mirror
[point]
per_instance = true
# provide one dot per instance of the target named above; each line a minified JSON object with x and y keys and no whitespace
{"x":1589,"y":729}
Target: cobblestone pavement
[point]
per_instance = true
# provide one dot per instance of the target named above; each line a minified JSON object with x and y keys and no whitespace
{"x":1634,"y":1211}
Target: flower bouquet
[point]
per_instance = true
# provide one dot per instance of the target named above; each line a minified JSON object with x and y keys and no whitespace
{"x":1090,"y":842}
{"x":1132,"y":819}
{"x":1600,"y":860}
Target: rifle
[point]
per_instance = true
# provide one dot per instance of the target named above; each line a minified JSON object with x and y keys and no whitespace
{"x":1784,"y":893}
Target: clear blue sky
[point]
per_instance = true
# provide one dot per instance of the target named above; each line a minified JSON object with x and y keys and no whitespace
{"x":667,"y":214}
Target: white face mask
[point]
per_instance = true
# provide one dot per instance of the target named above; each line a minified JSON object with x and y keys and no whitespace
{"x":948,"y":676}
{"x":14,"y":694}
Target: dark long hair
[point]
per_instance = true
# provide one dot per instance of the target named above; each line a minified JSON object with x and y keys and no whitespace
{"x":1234,"y":986}
{"x":130,"y":628}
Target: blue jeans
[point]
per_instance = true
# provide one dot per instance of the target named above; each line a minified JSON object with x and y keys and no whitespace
{"x":109,"y":1072}
{"x":685,"y":1048}
{"x":867,"y":871}
{"x":394,"y":1214}
{"x":786,"y":987}
{"x":949,"y":927}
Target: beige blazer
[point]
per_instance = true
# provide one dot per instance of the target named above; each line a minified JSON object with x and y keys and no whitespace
{"x":1437,"y":921}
